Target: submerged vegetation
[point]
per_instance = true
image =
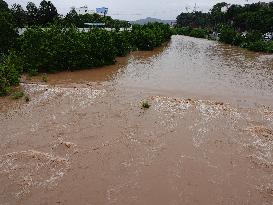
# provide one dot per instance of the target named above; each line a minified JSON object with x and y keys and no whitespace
{"x":66,"y":48}
{"x":9,"y":74}
{"x":27,"y":98}
{"x":193,"y":32}
{"x":249,"y":26}
{"x":52,"y":43}
{"x":17,"y":95}
{"x":145,"y":105}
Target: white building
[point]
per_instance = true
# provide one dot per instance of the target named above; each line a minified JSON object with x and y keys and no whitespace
{"x":84,"y":10}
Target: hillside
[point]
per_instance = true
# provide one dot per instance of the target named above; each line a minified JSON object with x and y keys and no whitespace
{"x":151,"y":20}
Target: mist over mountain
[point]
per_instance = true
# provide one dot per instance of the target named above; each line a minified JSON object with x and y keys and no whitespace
{"x":151,"y":20}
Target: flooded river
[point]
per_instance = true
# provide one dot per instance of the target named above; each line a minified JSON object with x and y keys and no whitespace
{"x":84,"y":139}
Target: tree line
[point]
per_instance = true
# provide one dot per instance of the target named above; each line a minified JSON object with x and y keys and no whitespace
{"x":249,"y":17}
{"x":238,"y":25}
{"x":52,"y":43}
{"x":47,"y":13}
{"x":44,"y":15}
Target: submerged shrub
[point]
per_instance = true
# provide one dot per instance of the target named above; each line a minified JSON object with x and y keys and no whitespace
{"x":17,"y":95}
{"x":227,"y":34}
{"x":56,"y":48}
{"x":59,"y":48}
{"x":9,"y":73}
{"x":269,"y":47}
{"x":149,"y":36}
{"x":258,"y":46}
{"x":145,"y":105}
{"x":193,"y":32}
{"x":27,"y":98}
{"x":182,"y":31}
{"x":198,"y":33}
{"x":122,"y":43}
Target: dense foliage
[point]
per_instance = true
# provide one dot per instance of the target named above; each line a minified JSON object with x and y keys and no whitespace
{"x":237,"y":25}
{"x":53,"y":42}
{"x":46,"y":14}
{"x":189,"y":31}
{"x":60,"y":48}
{"x":73,"y":18}
{"x":256,"y":16}
{"x":147,"y":37}
{"x":193,"y":20}
{"x":8,"y":32}
{"x":9,"y":73}
{"x":252,"y":41}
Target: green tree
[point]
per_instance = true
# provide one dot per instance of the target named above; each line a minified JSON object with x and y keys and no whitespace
{"x":32,"y":14}
{"x":227,"y":34}
{"x":9,"y":73}
{"x":19,"y":15}
{"x":72,"y":18}
{"x":195,"y":19}
{"x":8,"y":32}
{"x":47,"y":13}
{"x":4,"y":7}
{"x":218,"y":14}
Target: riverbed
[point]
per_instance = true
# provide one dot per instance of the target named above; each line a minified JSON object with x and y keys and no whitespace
{"x":84,"y":138}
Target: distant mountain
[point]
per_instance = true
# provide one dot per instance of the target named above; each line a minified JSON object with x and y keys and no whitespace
{"x":151,"y":20}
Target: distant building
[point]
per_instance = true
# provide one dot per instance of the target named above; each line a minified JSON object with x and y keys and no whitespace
{"x":84,"y":10}
{"x":268,"y":36}
{"x":102,"y":11}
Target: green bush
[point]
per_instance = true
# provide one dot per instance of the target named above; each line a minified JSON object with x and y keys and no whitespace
{"x":198,"y":33}
{"x":227,"y":35}
{"x":59,"y":48}
{"x":193,"y":32}
{"x":261,"y":46}
{"x":253,"y":36}
{"x":17,"y":95}
{"x":182,"y":31}
{"x":258,"y":46}
{"x":122,"y":43}
{"x":56,"y":48}
{"x":9,"y":74}
{"x":238,"y":40}
{"x":149,"y":36}
{"x":269,"y":47}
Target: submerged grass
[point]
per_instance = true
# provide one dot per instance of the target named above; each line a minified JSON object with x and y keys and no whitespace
{"x":27,"y":98}
{"x":145,"y":105}
{"x":17,"y":95}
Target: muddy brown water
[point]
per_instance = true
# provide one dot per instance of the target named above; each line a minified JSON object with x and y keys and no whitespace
{"x":84,"y":139}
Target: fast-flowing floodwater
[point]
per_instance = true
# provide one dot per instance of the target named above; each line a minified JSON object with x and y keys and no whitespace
{"x":193,"y":66}
{"x":84,"y":138}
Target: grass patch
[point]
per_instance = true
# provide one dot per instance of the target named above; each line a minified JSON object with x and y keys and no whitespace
{"x":145,"y":105}
{"x":17,"y":95}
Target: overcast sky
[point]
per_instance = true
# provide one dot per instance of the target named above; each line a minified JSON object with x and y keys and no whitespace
{"x":136,"y":9}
